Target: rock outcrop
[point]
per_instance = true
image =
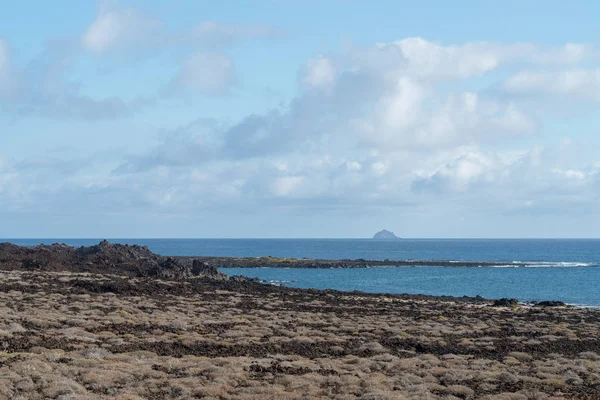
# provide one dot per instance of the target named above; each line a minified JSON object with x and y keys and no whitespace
{"x":550,"y":303}
{"x":204,"y":268}
{"x":103,"y":258}
{"x":505,"y":302}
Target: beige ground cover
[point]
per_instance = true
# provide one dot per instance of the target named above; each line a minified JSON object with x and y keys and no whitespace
{"x":62,"y":339}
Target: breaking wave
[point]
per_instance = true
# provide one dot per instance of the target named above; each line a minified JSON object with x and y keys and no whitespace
{"x":527,"y":264}
{"x":546,"y":264}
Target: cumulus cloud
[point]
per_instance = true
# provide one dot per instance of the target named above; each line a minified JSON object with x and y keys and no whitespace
{"x":206,"y":73}
{"x":4,"y":61}
{"x":408,"y":124}
{"x":381,"y":98}
{"x":28,"y":183}
{"x":116,"y":28}
{"x":319,"y":73}
{"x":431,"y":61}
{"x":570,"y":53}
{"x":353,"y":105}
{"x":410,"y":114}
{"x":580,"y":83}
{"x":206,"y":69}
{"x":376,"y":126}
{"x":45,"y":85}
{"x":472,"y":167}
{"x":6,"y":80}
{"x":45,"y":88}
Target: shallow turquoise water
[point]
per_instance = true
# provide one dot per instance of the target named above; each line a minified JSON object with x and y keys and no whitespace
{"x":575,"y":285}
{"x":565,"y":269}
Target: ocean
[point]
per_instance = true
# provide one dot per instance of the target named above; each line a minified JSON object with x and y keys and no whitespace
{"x":561,"y":269}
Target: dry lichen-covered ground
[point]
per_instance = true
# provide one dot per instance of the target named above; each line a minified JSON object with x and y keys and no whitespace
{"x":81,"y":336}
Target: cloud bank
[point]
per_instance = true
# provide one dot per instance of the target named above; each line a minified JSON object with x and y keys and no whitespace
{"x":409,"y":125}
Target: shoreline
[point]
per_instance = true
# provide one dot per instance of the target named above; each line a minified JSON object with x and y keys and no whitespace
{"x":281,"y":262}
{"x":112,"y":321}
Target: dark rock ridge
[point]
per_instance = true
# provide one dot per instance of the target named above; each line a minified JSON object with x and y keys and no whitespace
{"x":504,"y":302}
{"x":385,"y":234}
{"x":550,"y":304}
{"x":276,"y":262}
{"x":103,"y":258}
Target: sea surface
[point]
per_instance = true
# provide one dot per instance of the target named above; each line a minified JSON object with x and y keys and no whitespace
{"x":560,"y":269}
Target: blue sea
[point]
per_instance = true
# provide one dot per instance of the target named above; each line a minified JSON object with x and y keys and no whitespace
{"x":561,"y":269}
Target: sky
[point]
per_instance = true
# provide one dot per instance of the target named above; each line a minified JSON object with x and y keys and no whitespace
{"x":298,"y":119}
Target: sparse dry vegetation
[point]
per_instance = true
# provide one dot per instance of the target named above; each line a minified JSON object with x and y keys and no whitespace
{"x":66,"y":335}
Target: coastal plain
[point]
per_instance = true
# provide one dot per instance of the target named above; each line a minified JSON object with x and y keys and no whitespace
{"x":74,"y":333}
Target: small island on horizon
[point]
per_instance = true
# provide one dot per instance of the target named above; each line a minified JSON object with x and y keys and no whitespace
{"x":385,"y":234}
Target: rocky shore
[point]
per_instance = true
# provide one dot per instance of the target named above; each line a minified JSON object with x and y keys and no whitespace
{"x":274,"y":262}
{"x":120,"y":322}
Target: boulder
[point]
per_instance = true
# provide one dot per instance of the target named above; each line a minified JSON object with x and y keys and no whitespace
{"x":504,"y":302}
{"x":552,"y":303}
{"x":204,"y":268}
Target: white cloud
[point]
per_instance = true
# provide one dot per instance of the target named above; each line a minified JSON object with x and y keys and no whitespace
{"x":570,"y":53}
{"x":511,"y":119}
{"x":45,"y":87}
{"x":206,"y":73}
{"x":379,"y":168}
{"x":319,"y":73}
{"x":385,"y":98}
{"x":459,"y":173}
{"x":287,"y":185}
{"x":400,"y":108}
{"x":4,"y":60}
{"x":433,"y":61}
{"x":583,"y":83}
{"x":428,"y":59}
{"x":118,"y":28}
{"x":571,"y":174}
{"x":378,"y":101}
{"x":412,"y":116}
{"x":353,"y":166}
{"x":6,"y":84}
{"x":115,"y":28}
{"x":402,"y":124}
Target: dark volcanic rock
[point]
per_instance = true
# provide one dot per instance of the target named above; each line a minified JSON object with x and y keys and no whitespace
{"x":104,"y":258}
{"x":204,"y":268}
{"x":550,"y":304}
{"x":504,"y":302}
{"x":171,"y":269}
{"x":276,"y":262}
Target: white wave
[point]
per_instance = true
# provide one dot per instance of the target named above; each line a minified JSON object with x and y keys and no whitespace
{"x":542,"y":264}
{"x":545,"y":264}
{"x":532,"y":264}
{"x":277,"y":282}
{"x":583,"y":305}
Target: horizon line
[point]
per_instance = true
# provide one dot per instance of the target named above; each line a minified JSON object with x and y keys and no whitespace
{"x":298,"y":238}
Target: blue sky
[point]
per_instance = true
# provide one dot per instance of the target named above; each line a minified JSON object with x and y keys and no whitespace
{"x":287,"y":118}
